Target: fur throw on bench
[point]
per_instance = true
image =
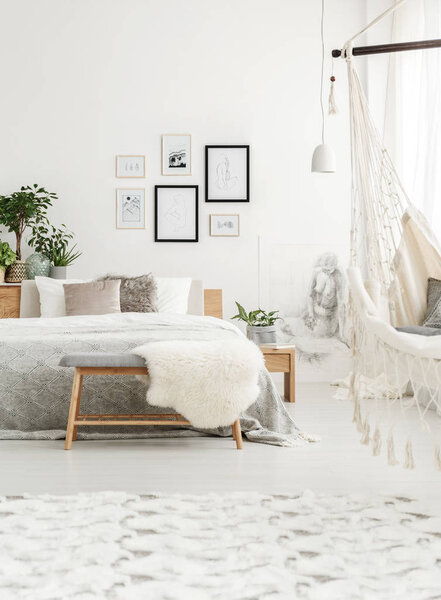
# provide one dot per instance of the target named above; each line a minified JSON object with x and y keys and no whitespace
{"x":208,"y":382}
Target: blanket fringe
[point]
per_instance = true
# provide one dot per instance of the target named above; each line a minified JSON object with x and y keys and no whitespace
{"x":391,"y":458}
{"x":376,"y":446}
{"x":366,"y":431}
{"x":409,"y":462}
{"x":437,"y":456}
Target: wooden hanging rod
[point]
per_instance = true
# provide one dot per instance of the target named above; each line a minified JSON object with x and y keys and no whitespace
{"x":398,"y":47}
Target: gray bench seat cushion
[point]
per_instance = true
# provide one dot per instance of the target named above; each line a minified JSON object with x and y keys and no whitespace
{"x":420,"y":330}
{"x":101,"y":359}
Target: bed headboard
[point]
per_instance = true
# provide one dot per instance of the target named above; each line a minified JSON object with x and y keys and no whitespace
{"x":200,"y":301}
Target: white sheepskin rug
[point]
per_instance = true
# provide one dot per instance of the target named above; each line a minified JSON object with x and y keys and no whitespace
{"x":237,"y":546}
{"x":208,"y":382}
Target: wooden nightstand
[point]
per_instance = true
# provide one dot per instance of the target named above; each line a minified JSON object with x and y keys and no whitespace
{"x":10,"y":300}
{"x":282,"y":360}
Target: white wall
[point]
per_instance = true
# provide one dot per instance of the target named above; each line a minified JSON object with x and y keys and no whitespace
{"x":84,"y":80}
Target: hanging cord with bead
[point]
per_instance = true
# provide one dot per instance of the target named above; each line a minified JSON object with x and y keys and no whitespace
{"x":333,"y":110}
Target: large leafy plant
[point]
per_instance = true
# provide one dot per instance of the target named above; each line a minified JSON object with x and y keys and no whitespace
{"x":23,"y":209}
{"x":7,"y":255}
{"x":54,"y":243}
{"x":257,"y":318}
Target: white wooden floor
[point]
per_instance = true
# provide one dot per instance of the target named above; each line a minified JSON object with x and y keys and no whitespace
{"x":338,"y":464}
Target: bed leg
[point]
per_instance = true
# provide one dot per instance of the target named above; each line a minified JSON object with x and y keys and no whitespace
{"x":237,"y":434}
{"x":74,"y":408}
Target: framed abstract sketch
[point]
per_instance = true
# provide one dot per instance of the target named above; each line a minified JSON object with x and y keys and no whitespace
{"x":130,"y":208}
{"x":130,"y":166}
{"x":176,"y":213}
{"x":227,"y":173}
{"x":176,"y":154}
{"x":224,"y":225}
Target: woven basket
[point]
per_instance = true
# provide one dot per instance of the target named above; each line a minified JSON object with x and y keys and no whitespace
{"x":16,"y":272}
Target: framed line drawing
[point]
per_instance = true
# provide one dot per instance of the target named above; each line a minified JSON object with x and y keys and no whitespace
{"x":130,"y":166}
{"x":225,"y":225}
{"x":176,"y":213}
{"x":176,"y":154}
{"x":227,"y":173}
{"x":130,"y":208}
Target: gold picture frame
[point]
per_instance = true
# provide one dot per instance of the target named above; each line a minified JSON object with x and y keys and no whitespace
{"x":121,"y":221}
{"x":212,"y":234}
{"x":124,"y":158}
{"x":169,"y":171}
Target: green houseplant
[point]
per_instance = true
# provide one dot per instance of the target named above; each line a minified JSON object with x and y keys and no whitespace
{"x":21,"y":210}
{"x":54,"y":243}
{"x":261,"y":325}
{"x":7,"y":258}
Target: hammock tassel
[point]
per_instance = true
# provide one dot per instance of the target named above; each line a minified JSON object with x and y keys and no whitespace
{"x":437,"y":455}
{"x":333,"y":110}
{"x":357,"y":416}
{"x":409,"y":462}
{"x":376,"y":447}
{"x":391,"y":458}
{"x":366,"y":431}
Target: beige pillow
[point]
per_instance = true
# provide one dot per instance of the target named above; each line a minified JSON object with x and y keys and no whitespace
{"x":94,"y":298}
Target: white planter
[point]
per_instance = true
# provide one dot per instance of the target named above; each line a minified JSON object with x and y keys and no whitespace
{"x":58,"y":272}
{"x":262,"y":335}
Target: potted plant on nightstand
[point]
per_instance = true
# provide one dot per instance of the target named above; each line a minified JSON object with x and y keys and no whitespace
{"x":18,"y":211}
{"x":54,"y":244}
{"x":7,"y":258}
{"x":261,"y":326}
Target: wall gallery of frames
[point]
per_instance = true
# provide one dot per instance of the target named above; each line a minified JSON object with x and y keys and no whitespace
{"x":176,"y":219}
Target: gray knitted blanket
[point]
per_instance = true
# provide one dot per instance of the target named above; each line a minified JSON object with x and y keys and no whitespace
{"x":35,"y":391}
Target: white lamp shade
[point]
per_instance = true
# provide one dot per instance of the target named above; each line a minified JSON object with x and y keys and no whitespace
{"x":323,"y":159}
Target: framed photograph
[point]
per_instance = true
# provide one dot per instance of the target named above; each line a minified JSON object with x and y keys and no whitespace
{"x":130,"y":166}
{"x":227,"y":173}
{"x":176,"y":154}
{"x":176,"y":213}
{"x":130,"y":208}
{"x":224,"y":225}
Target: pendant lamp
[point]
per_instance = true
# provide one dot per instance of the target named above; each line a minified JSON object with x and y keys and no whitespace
{"x":323,"y":158}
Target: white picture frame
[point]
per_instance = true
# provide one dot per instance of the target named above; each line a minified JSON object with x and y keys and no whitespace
{"x":130,"y":208}
{"x":176,"y":154}
{"x":225,"y":225}
{"x":130,"y":166}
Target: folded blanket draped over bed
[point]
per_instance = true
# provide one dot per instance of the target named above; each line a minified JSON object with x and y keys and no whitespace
{"x":209,"y":383}
{"x":35,"y":391}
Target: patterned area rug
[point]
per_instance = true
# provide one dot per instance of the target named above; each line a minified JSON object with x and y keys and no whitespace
{"x":237,"y":546}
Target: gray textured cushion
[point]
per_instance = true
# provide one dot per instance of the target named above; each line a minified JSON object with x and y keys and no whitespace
{"x":419,"y":330}
{"x":433,"y":314}
{"x":101,"y":359}
{"x":92,"y":298}
{"x":137,"y":294}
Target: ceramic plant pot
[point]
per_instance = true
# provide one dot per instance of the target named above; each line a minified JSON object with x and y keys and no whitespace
{"x":58,"y":272}
{"x":16,"y":272}
{"x":37,"y":265}
{"x":262,"y":335}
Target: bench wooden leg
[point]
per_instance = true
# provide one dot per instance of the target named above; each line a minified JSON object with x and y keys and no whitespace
{"x":237,"y":434}
{"x":74,"y":409}
{"x":77,"y":412}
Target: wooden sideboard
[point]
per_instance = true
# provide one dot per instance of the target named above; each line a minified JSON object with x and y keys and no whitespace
{"x":10,"y":294}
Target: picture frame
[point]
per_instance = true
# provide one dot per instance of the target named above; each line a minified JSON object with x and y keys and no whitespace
{"x":130,"y":208}
{"x":130,"y":166}
{"x":227,"y":173}
{"x":225,"y":225}
{"x":176,"y":154}
{"x":176,"y":213}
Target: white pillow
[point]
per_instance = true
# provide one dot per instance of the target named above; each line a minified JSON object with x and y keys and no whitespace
{"x":51,"y":292}
{"x":173,"y":294}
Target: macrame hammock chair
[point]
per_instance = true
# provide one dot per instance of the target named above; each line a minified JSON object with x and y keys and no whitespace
{"x":393,"y":253}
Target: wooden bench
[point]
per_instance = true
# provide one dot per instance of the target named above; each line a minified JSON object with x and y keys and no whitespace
{"x":115,"y":364}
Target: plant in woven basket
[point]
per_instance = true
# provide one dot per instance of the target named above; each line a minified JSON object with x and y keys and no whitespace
{"x":23,"y":209}
{"x":7,"y":257}
{"x":54,"y":243}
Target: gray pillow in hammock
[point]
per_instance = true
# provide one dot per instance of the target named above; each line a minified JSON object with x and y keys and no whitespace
{"x":419,"y":330}
{"x":433,"y":314}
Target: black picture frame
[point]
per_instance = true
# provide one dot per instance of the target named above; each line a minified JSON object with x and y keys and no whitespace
{"x":207,"y":159}
{"x":196,"y":212}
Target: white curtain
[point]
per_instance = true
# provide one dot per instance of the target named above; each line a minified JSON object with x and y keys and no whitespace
{"x":412,"y":126}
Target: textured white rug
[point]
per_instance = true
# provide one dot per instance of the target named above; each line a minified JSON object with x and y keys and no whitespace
{"x":238,"y":546}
